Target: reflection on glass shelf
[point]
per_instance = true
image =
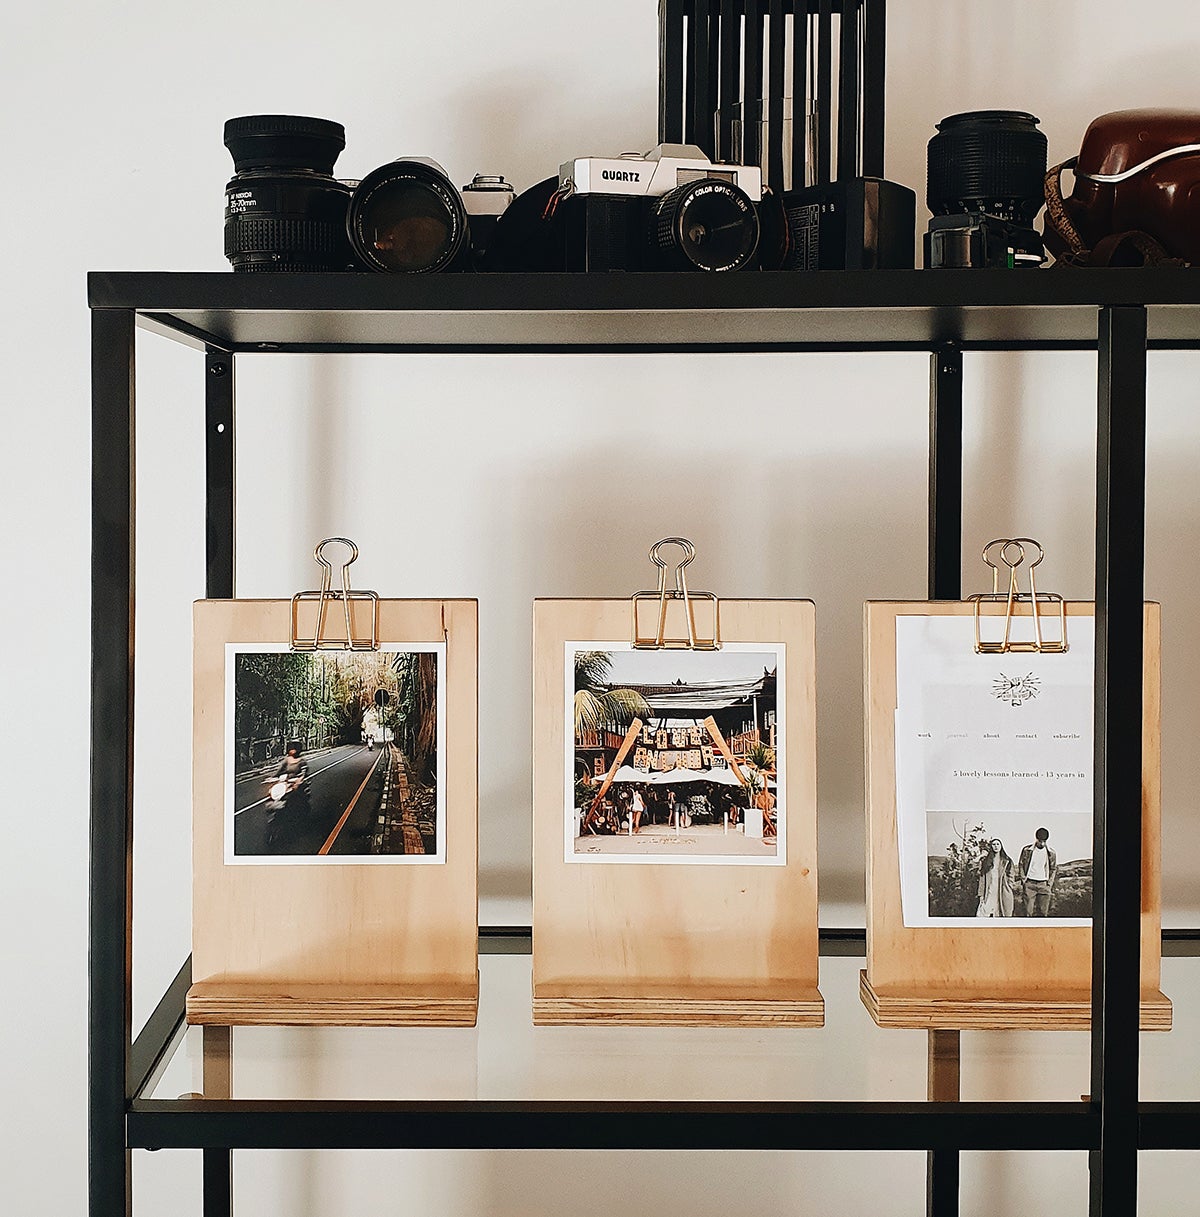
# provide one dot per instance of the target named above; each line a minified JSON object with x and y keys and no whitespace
{"x":507,"y":1058}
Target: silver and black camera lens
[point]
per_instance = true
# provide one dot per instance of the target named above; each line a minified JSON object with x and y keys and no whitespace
{"x":706,"y":224}
{"x":284,"y":210}
{"x":985,"y":188}
{"x":407,"y":217}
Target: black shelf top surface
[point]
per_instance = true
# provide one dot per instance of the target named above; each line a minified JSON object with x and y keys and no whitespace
{"x":836,"y":310}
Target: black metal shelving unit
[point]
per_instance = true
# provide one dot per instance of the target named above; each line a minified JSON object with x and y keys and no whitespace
{"x":1119,"y":313}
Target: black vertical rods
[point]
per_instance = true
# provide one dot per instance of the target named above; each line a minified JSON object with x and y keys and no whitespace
{"x":874,"y":63}
{"x":776,"y":50}
{"x":847,"y":129}
{"x":670,"y":71}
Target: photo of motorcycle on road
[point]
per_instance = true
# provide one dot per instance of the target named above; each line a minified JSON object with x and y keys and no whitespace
{"x":334,"y":756}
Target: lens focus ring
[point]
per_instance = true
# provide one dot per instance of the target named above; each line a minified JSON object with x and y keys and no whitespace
{"x":259,"y":235}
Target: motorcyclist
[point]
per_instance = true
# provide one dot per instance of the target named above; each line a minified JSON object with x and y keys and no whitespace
{"x":293,"y":766}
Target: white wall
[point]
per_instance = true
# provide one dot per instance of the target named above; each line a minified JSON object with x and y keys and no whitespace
{"x":497,"y":477}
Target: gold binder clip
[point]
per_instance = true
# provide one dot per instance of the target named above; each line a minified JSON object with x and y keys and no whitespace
{"x":324,"y":596}
{"x":663,"y":596}
{"x":1012,"y":555}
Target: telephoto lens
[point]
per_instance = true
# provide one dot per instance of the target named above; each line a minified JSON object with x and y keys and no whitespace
{"x":985,"y":187}
{"x":407,"y":217}
{"x":706,"y":224}
{"x":284,"y":210}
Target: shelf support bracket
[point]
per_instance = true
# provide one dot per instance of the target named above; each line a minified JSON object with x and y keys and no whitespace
{"x":219,"y":474}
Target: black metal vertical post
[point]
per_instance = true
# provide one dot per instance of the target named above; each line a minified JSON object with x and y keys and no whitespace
{"x":218,"y":1183}
{"x":1117,"y":831}
{"x":110,"y":960}
{"x":945,"y":474}
{"x":219,"y":566}
{"x":219,"y":474}
{"x":945,"y":583}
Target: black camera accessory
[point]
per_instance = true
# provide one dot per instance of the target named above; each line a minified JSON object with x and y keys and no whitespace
{"x":985,"y":187}
{"x":284,"y":211}
{"x":707,"y":224}
{"x":407,"y":217}
{"x":867,"y":223}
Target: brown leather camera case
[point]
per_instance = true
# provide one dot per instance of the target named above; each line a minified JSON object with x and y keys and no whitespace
{"x":1161,"y":199}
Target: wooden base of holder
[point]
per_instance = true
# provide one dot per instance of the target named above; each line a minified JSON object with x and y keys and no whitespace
{"x":227,"y":1004}
{"x":711,"y":1008}
{"x":929,"y":1009}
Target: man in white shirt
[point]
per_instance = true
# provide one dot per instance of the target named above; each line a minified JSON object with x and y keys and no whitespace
{"x":1037,"y":869}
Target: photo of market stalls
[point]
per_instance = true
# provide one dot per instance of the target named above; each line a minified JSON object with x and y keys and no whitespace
{"x":676,"y":755}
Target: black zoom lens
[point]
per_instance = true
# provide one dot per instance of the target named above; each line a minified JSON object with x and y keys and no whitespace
{"x":407,"y":217}
{"x":283,"y":208}
{"x":988,"y":161}
{"x":707,"y":224}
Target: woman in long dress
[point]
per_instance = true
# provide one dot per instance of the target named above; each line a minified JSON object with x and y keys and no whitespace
{"x":996,"y":870}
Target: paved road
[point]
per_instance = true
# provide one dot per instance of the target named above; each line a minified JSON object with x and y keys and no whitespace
{"x":349,"y":776}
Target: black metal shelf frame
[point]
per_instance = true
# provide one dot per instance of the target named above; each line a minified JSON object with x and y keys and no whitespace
{"x":1119,"y":314}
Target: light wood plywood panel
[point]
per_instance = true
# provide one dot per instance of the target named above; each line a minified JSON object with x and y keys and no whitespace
{"x":666,"y":944}
{"x":338,"y":943}
{"x":982,"y":976}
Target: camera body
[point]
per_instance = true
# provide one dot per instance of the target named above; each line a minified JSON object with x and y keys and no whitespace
{"x":974,"y":238}
{"x":865,"y":223}
{"x":671,"y":209}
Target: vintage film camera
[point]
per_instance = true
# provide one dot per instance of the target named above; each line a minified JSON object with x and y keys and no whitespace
{"x":407,"y":217}
{"x":671,"y":209}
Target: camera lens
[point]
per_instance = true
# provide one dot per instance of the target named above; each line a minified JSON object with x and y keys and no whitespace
{"x":407,"y":217}
{"x":707,"y":224}
{"x":283,"y":208}
{"x":987,"y":161}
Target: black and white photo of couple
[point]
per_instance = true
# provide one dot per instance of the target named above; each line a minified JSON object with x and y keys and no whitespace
{"x":976,"y":869}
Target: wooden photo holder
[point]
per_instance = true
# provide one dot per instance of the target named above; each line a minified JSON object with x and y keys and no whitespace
{"x":648,"y":944}
{"x":339,"y":944}
{"x":955,"y":978}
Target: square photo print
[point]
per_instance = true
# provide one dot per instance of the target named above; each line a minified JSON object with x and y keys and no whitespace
{"x":675,"y":756}
{"x":334,"y":757}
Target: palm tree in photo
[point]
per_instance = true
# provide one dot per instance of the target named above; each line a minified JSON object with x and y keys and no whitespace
{"x":759,"y":765}
{"x":598,"y":706}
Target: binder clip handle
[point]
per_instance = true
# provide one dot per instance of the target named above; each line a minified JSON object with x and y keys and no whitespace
{"x":327,"y":565}
{"x":689,"y":553}
{"x":317,"y":641}
{"x":662,"y":597}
